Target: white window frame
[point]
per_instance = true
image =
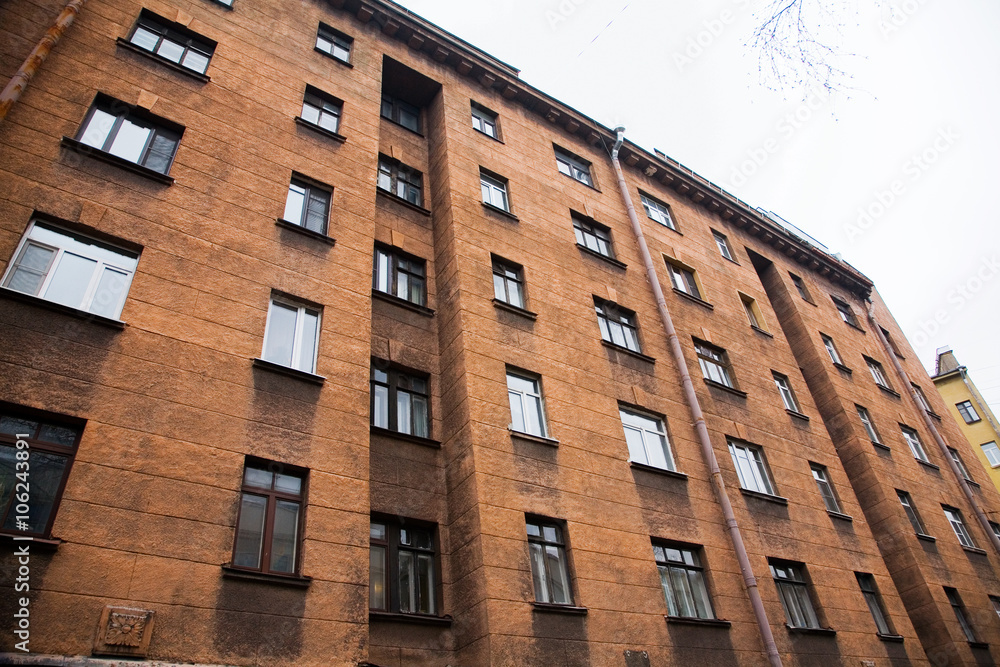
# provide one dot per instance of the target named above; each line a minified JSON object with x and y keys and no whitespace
{"x":508,"y":282}
{"x":992,"y":452}
{"x":961,"y":465}
{"x":878,"y":373}
{"x":714,"y":364}
{"x":301,"y":359}
{"x":866,"y":421}
{"x":750,"y":467}
{"x":911,"y":512}
{"x":81,"y":246}
{"x":954,"y":517}
{"x":485,"y":121}
{"x":912,"y":439}
{"x":831,"y":349}
{"x":785,"y":389}
{"x":527,"y":399}
{"x":822,"y":477}
{"x":723,"y":245}
{"x":618,"y":325}
{"x":653,"y":445}
{"x":326,"y":109}
{"x":683,"y":279}
{"x":494,"y":192}
{"x":593,"y":236}
{"x":657,"y":211}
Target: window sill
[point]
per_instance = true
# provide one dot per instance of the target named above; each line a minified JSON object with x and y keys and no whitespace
{"x":332,"y":57}
{"x":707,"y":622}
{"x":972,"y":483}
{"x":403,"y":303}
{"x":219,"y":3}
{"x":169,"y":64}
{"x":391,"y":196}
{"x":339,"y":138}
{"x":933,"y":414}
{"x":840,"y":515}
{"x":979,"y":644}
{"x":926,"y":538}
{"x":927,"y":464}
{"x":540,"y":439}
{"x":842,"y":367}
{"x":759,"y":330}
{"x":797,"y":414}
{"x":503,"y":305}
{"x":499,"y":211}
{"x":128,"y":165}
{"x":305,"y":376}
{"x":609,"y":260}
{"x":306,"y":232}
{"x":771,"y":498}
{"x":486,"y":134}
{"x":975,"y":550}
{"x":635,"y":465}
{"x":292,"y":580}
{"x":855,"y":326}
{"x":408,"y":437}
{"x":823,"y":632}
{"x":416,"y":619}
{"x":548,"y":607}
{"x":691,"y":297}
{"x":416,"y":132}
{"x":891,"y":392}
{"x":14,"y":295}
{"x":631,"y":353}
{"x":879,"y":445}
{"x":898,"y":639}
{"x":16,"y":540}
{"x":731,"y":390}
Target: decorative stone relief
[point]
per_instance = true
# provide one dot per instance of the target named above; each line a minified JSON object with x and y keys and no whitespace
{"x":124,"y":631}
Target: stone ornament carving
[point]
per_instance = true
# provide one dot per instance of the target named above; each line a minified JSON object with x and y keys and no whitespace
{"x":124,"y":631}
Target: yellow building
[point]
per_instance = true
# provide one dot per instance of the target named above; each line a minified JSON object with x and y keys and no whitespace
{"x":970,"y":409}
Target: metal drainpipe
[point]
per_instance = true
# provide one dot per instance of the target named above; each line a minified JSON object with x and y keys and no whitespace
{"x":12,"y":92}
{"x":707,"y":451}
{"x":942,"y":445}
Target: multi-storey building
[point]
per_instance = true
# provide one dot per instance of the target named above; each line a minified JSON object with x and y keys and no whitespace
{"x":971,"y":412}
{"x":274,"y":273}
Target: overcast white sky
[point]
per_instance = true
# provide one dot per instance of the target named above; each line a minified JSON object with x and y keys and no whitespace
{"x":914,"y":142}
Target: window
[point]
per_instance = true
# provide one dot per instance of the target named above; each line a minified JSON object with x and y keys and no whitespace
{"x":494,"y":191}
{"x":617,"y":324}
{"x":291,"y":337}
{"x":968,"y":412}
{"x":573,"y":166}
{"x":508,"y":282}
{"x":723,"y":244}
{"x":71,"y":269}
{"x":714,"y":364}
{"x":868,"y":588}
{"x":526,"y":412}
{"x":400,"y":400}
{"x":400,"y":180}
{"x":995,"y":601}
{"x":549,"y":569}
{"x":866,"y":421}
{"x":785,"y":389}
{"x":892,"y":343}
{"x":845,"y":311}
{"x":400,"y":275}
{"x":173,"y":42}
{"x":657,"y":211}
{"x":402,"y":565}
{"x":485,"y":121}
{"x":958,"y":462}
{"x":683,"y":580}
{"x":992,"y":453}
{"x":36,"y":454}
{"x":921,"y":398}
{"x":800,"y":287}
{"x":913,"y":440}
{"x":911,"y":512}
{"x":270,"y":518}
{"x":307,"y":205}
{"x":878,"y":373}
{"x":750,"y":467}
{"x":592,"y":236}
{"x":794,"y":593}
{"x":647,"y":440}
{"x":752,"y":310}
{"x":963,"y":618}
{"x":321,"y":110}
{"x":130,"y":134}
{"x":401,"y":113}
{"x":995,"y":527}
{"x":334,"y":43}
{"x":822,"y":477}
{"x":831,"y":349}
{"x":954,"y":517}
{"x":683,"y":278}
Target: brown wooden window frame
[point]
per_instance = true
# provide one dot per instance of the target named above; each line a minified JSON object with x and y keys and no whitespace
{"x":392,"y":545}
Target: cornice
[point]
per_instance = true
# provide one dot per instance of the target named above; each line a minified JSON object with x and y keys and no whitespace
{"x":419,"y":35}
